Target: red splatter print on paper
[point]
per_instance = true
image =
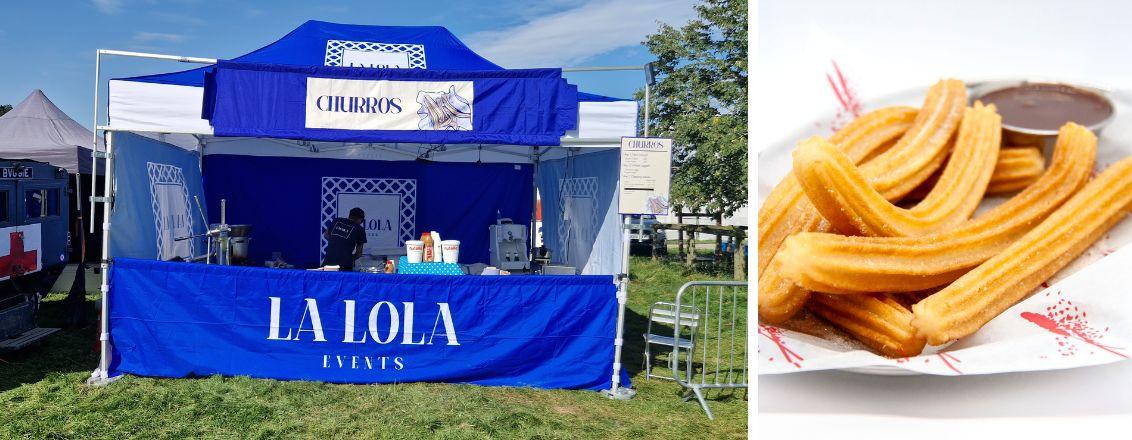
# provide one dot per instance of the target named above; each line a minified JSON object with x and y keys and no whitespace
{"x":849,"y":104}
{"x":774,"y":334}
{"x":1102,"y":248}
{"x":1068,"y":323}
{"x":949,"y":360}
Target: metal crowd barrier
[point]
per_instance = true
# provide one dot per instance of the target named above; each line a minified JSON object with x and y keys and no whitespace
{"x":718,"y":359}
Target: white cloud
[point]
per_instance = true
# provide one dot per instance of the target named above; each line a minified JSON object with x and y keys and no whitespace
{"x":575,"y":35}
{"x":108,"y":6}
{"x":159,"y":36}
{"x":176,"y":18}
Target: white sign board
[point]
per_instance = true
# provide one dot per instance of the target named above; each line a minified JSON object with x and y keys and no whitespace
{"x":646,"y":175}
{"x":382,"y":224}
{"x":373,"y":59}
{"x":349,"y":104}
{"x":390,"y":207}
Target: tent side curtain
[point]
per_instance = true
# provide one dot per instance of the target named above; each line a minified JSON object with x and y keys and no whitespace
{"x":581,"y":226}
{"x":527,"y":107}
{"x":155,"y":200}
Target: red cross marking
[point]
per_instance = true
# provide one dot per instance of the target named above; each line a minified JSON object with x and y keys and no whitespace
{"x":18,"y":261}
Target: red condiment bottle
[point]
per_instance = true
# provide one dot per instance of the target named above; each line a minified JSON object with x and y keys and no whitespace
{"x":428,"y":252}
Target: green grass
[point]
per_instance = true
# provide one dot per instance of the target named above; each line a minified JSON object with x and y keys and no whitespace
{"x":42,"y":395}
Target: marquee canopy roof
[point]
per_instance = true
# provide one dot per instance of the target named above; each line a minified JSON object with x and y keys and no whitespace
{"x":171,"y":102}
{"x":36,"y":129}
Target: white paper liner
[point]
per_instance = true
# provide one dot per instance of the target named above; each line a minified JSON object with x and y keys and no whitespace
{"x":1083,"y":317}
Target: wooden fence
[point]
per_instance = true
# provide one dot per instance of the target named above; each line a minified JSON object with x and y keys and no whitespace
{"x":738,"y":241}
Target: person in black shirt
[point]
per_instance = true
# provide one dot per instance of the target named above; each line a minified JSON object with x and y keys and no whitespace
{"x":344,"y":240}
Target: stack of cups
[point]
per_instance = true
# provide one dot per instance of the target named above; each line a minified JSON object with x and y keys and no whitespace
{"x":414,"y":251}
{"x":450,"y":250}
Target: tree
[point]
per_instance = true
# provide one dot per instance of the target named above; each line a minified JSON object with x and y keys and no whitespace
{"x":5,"y":108}
{"x":700,"y":100}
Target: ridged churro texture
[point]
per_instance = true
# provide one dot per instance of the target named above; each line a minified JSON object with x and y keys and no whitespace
{"x":879,"y":321}
{"x":994,"y":286}
{"x":923,"y":148}
{"x":1016,"y":169}
{"x":779,"y":298}
{"x":786,"y":210}
{"x":842,"y":194}
{"x":841,"y":264}
{"x":919,"y":152}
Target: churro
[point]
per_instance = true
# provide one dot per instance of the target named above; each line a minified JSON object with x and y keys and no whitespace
{"x":1015,"y":169}
{"x":786,"y":210}
{"x":779,"y":298}
{"x":844,"y":197}
{"x":922,"y":149}
{"x":918,"y":153}
{"x":994,"y":286}
{"x":841,"y":264}
{"x":879,"y":321}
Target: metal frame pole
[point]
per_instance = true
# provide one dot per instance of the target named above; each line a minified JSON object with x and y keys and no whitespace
{"x":534,"y":205}
{"x":94,"y":145}
{"x":646,"y":124}
{"x":101,"y":375}
{"x":615,"y":390}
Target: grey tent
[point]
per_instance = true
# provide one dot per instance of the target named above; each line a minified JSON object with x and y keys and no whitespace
{"x":36,"y":129}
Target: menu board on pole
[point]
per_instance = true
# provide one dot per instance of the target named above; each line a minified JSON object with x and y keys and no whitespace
{"x":646,"y":175}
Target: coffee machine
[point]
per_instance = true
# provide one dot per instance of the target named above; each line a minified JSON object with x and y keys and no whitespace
{"x":508,"y":245}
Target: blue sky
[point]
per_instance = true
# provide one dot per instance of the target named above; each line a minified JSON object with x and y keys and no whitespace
{"x":50,"y":45}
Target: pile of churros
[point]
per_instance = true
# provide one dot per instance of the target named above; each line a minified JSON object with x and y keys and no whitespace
{"x":875,"y":230}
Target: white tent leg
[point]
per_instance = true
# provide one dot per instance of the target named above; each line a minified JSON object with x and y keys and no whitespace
{"x":101,"y":375}
{"x":94,"y":142}
{"x":615,"y":391}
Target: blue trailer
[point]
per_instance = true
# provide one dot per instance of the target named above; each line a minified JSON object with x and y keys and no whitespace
{"x":34,"y":245}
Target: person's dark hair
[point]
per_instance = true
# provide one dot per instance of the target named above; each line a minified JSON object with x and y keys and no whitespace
{"x":357,"y":214}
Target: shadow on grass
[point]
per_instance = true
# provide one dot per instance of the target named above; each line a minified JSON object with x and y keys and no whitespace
{"x":65,"y":352}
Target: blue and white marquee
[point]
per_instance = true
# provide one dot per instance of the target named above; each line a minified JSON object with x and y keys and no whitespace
{"x":406,"y":120}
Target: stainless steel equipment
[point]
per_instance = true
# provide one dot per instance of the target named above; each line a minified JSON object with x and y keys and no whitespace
{"x":508,"y":245}
{"x":228,"y":240}
{"x":239,"y":238}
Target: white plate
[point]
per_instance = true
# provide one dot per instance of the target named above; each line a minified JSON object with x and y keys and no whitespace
{"x":1115,"y":142}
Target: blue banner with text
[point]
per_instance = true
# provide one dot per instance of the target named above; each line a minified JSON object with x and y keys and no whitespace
{"x":179,"y":320}
{"x":522,"y":107}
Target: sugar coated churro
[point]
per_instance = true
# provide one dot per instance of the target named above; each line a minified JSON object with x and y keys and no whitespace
{"x":923,"y":148}
{"x":779,"y":298}
{"x":975,"y":298}
{"x":1016,"y":169}
{"x":880,"y":321}
{"x":842,"y":264}
{"x":918,"y":153}
{"x":786,"y":210}
{"x":844,"y":197}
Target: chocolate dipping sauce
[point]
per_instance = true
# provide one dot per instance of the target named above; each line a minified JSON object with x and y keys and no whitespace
{"x":1038,"y":106}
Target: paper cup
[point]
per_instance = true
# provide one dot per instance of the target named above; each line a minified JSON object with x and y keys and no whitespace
{"x":414,"y":251}
{"x":450,"y":250}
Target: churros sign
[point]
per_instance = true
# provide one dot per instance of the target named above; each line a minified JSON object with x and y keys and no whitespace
{"x":389,"y":105}
{"x":645,"y":177}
